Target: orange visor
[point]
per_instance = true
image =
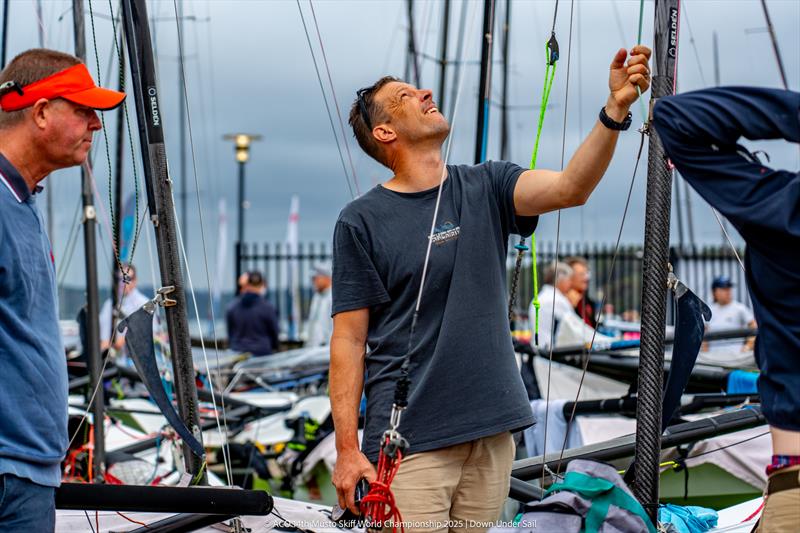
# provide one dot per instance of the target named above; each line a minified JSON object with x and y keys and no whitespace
{"x":74,"y":84}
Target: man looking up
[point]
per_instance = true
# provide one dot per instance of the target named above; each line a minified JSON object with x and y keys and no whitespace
{"x":47,"y":121}
{"x":466,"y":393}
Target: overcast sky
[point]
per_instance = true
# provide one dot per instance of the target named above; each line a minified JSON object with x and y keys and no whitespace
{"x":249,"y":68}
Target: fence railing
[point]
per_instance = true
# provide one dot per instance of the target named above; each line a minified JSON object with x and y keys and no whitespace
{"x":696,"y":266}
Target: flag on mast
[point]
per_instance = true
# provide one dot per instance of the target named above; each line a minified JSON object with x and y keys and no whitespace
{"x":293,"y":269}
{"x":220,"y":270}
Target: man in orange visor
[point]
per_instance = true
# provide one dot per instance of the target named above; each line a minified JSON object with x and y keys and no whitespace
{"x":48,"y":102}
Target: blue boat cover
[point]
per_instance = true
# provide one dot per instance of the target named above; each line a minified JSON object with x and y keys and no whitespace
{"x":689,"y":519}
{"x":742,"y":382}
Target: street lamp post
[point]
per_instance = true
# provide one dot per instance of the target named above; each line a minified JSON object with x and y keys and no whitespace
{"x":242,"y":149}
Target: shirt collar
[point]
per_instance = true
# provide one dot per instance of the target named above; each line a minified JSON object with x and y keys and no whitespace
{"x":13,"y":180}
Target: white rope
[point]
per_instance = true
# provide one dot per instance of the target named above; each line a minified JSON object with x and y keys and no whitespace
{"x":223,"y":436}
{"x":448,"y":148}
{"x":558,"y":231}
{"x":728,"y":238}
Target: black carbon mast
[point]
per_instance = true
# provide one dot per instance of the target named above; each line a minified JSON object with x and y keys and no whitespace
{"x":162,"y":215}
{"x":485,"y":86}
{"x":655,"y":269}
{"x":92,"y":349}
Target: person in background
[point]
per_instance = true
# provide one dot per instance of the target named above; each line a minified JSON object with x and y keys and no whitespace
{"x":585,"y":307}
{"x":252,"y":320}
{"x":726,"y":313}
{"x":132,"y":300}
{"x":320,"y":323}
{"x":554,"y":306}
{"x":48,"y":101}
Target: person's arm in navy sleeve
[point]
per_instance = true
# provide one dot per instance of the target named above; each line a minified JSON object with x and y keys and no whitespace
{"x":699,"y":131}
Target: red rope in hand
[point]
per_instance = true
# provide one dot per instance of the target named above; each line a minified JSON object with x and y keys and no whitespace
{"x":378,"y":506}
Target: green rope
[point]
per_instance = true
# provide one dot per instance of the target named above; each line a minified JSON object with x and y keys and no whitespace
{"x":549,"y":76}
{"x":551,"y":51}
{"x":536,"y":304}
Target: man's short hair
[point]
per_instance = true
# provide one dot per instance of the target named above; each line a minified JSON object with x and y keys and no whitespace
{"x":255,"y":278}
{"x":561,"y":268}
{"x":365,"y":113}
{"x":28,"y":67}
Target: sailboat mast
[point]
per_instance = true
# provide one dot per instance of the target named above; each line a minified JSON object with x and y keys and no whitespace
{"x":655,"y":270}
{"x":504,"y":114}
{"x":443,"y":60}
{"x":485,"y":85}
{"x":4,"y":37}
{"x":118,"y":181}
{"x":162,"y":215}
{"x":412,"y":61}
{"x":182,"y":129}
{"x":92,"y":348}
{"x":775,"y":48}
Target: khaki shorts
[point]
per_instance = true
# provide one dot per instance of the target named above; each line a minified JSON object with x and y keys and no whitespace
{"x":459,"y":488}
{"x":782,"y":509}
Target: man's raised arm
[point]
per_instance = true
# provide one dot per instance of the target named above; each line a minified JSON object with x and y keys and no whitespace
{"x":541,"y":191}
{"x":700,"y":130}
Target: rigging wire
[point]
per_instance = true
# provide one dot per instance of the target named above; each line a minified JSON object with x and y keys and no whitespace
{"x":558,"y":227}
{"x":603,"y":300}
{"x":325,"y":99}
{"x":333,"y":97}
{"x":703,"y":78}
{"x":90,"y":176}
{"x":600,"y":310}
{"x":91,"y":525}
{"x":439,"y":194}
{"x":137,"y":218}
{"x":225,"y":444}
{"x":551,"y":57}
{"x":775,"y":49}
{"x":694,"y":45}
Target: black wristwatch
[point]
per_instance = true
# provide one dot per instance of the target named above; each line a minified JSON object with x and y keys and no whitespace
{"x":612,"y":124}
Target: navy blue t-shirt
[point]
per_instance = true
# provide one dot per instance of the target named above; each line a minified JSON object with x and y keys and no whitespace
{"x":465,"y":383}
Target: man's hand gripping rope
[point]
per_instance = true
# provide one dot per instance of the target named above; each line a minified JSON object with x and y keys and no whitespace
{"x":378,"y":506}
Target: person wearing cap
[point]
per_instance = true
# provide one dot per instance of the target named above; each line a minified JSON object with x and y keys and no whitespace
{"x":728,"y":314}
{"x":131,"y":301}
{"x":320,"y":323}
{"x":700,"y":131}
{"x":453,"y":222}
{"x":251,"y":319}
{"x":48,"y":102}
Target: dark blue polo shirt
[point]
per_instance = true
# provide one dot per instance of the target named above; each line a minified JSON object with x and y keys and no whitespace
{"x":33,"y":370}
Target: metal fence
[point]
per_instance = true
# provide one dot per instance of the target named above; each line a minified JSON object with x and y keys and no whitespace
{"x":276,"y":262}
{"x":695,"y":266}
